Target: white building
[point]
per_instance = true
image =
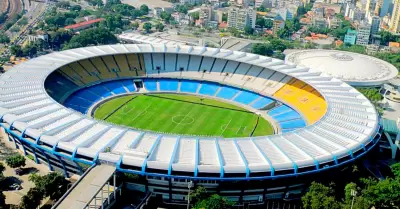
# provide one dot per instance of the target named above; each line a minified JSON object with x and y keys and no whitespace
{"x":191,"y":1}
{"x":240,"y":18}
{"x":363,"y":34}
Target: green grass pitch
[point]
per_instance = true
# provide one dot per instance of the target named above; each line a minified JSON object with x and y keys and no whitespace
{"x":183,"y":114}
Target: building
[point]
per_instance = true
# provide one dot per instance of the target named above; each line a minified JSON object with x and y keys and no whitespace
{"x":83,"y":25}
{"x":206,"y":14}
{"x":375,"y":23}
{"x":385,"y":7}
{"x":350,"y":37}
{"x":319,"y":22}
{"x":271,"y":167}
{"x":241,"y":18}
{"x":191,"y":1}
{"x":352,"y":68}
{"x":363,"y":34}
{"x":395,"y":20}
{"x":39,"y":35}
{"x":157,"y":11}
{"x":334,"y":22}
{"x":279,"y":23}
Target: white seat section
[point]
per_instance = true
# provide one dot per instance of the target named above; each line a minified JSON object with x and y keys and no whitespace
{"x":271,"y":89}
{"x":194,"y":63}
{"x":183,"y":62}
{"x":253,"y":73}
{"x":255,"y":160}
{"x":208,"y":158}
{"x":214,"y":76}
{"x":230,"y":67}
{"x":148,"y":64}
{"x":206,"y":64}
{"x":233,"y":162}
{"x":125,"y":142}
{"x":158,"y":61}
{"x":219,"y":65}
{"x":162,"y":154}
{"x":185,"y":156}
{"x":258,"y":83}
{"x":237,"y":77}
{"x":278,"y":159}
{"x":170,"y":62}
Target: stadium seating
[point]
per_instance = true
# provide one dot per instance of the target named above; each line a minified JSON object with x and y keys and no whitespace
{"x":100,"y":90}
{"x":150,"y":84}
{"x":168,"y":85}
{"x":208,"y":88}
{"x":292,"y":124}
{"x":87,"y":94}
{"x":260,"y":103}
{"x":227,"y":92}
{"x":298,"y":94}
{"x":246,"y":97}
{"x":60,"y":85}
{"x":189,"y":86}
{"x":279,"y":110}
{"x":129,"y":85}
{"x":115,"y":86}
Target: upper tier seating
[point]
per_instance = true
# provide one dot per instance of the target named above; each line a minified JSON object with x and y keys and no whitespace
{"x":302,"y":96}
{"x":168,"y":85}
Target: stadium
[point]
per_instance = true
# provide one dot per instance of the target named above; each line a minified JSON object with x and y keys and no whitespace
{"x":174,"y":114}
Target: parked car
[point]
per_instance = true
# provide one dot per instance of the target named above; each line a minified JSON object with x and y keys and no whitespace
{"x":19,"y":171}
{"x":16,"y":186}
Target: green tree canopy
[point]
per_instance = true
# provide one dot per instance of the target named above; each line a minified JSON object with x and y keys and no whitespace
{"x":93,"y":36}
{"x":52,"y":185}
{"x":31,"y":200}
{"x":4,"y":39}
{"x":320,"y":196}
{"x":16,"y":161}
{"x":147,"y":26}
{"x":144,"y":9}
{"x":214,"y":202}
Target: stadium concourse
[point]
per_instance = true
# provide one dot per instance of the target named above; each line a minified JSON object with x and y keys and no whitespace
{"x":323,"y":122}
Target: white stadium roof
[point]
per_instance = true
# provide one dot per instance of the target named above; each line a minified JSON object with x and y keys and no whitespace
{"x":349,"y":124}
{"x":353,"y":68}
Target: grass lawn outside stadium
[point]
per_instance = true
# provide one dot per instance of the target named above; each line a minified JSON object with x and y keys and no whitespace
{"x":184,"y":115}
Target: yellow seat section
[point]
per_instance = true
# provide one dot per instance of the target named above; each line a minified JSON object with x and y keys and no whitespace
{"x":89,"y":67}
{"x":124,"y":66}
{"x":85,"y":76}
{"x":305,"y":98}
{"x":105,"y":73}
{"x":135,"y":63}
{"x":71,"y":75}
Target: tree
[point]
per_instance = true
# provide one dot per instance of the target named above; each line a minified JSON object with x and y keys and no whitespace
{"x":15,"y":29}
{"x":320,"y":197}
{"x":93,"y":36}
{"x":160,"y":27}
{"x":396,"y":170}
{"x":262,"y":49}
{"x":144,"y":9}
{"x":75,"y":8}
{"x":147,"y":26}
{"x":23,"y":21}
{"x":31,"y":199}
{"x":269,"y":23}
{"x":16,"y":161}
{"x":248,"y":30}
{"x":2,"y":168}
{"x":4,"y":39}
{"x":29,"y":50}
{"x":166,"y":16}
{"x":195,"y":15}
{"x":261,"y":8}
{"x":198,"y":194}
{"x":16,"y":50}
{"x":135,"y":25}
{"x":52,"y":185}
{"x":2,"y":200}
{"x":69,"y":21}
{"x":214,"y":202}
{"x":260,"y":21}
{"x":63,"y":4}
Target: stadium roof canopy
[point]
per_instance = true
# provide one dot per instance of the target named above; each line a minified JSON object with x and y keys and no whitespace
{"x":353,"y":68}
{"x":348,"y":128}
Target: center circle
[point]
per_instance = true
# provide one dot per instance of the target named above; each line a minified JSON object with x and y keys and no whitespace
{"x":182,"y":119}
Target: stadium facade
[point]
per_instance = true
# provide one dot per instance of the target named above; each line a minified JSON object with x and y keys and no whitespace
{"x":322,"y":122}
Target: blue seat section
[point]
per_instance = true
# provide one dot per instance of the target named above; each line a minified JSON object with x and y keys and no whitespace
{"x":168,"y":85}
{"x":115,"y":86}
{"x":129,"y":85}
{"x":262,"y":103}
{"x":87,"y":94}
{"x":246,"y":97}
{"x":77,"y":101}
{"x":81,"y":109}
{"x":151,"y":85}
{"x":291,"y":115}
{"x":58,"y":85}
{"x":208,"y":88}
{"x":100,"y":90}
{"x":279,"y":110}
{"x":227,"y":92}
{"x":189,"y":86}
{"x":292,"y":124}
{"x":287,"y":130}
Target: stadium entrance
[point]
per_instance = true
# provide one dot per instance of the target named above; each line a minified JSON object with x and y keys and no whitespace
{"x":138,"y":84}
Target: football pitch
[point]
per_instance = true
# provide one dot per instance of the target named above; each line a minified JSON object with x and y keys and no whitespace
{"x":183,"y":114}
